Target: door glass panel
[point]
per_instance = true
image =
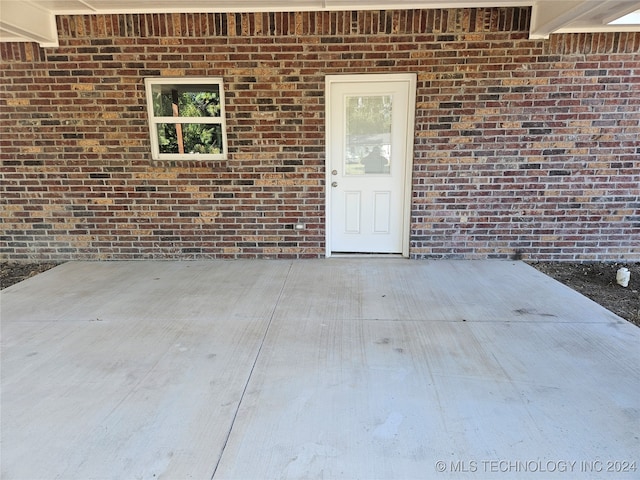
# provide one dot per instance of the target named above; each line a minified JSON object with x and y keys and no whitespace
{"x":368,"y":134}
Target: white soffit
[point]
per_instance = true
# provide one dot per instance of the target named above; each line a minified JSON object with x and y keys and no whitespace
{"x":582,"y":16}
{"x":34,"y":20}
{"x":26,"y":21}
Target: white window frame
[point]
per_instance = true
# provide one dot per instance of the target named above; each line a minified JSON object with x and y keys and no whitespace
{"x":155,"y":120}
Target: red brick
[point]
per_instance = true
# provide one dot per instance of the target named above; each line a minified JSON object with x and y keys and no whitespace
{"x":534,"y":142}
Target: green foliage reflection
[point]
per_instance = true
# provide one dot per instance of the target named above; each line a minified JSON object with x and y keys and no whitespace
{"x":197,"y":137}
{"x":368,"y":115}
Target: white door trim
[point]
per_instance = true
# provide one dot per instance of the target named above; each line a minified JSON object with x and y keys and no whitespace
{"x":411,"y":79}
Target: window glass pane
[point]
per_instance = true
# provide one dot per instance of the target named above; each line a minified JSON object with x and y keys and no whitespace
{"x":186,"y":118}
{"x":186,"y":100}
{"x":195,"y":138}
{"x":368,"y":134}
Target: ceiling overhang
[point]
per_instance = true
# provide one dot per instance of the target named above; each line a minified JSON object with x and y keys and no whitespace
{"x":581,"y":16}
{"x":35,"y":20}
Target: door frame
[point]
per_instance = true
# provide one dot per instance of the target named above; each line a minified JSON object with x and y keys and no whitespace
{"x":411,"y":79}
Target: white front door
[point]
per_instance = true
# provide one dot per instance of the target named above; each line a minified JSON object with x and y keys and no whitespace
{"x":370,"y":120}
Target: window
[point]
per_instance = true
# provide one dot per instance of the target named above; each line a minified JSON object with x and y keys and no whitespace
{"x":186,"y":118}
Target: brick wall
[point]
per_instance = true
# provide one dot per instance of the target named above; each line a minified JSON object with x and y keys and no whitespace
{"x":522,"y":147}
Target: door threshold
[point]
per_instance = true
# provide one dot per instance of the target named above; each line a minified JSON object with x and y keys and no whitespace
{"x":365,"y":255}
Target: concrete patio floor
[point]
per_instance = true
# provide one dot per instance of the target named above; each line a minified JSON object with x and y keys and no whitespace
{"x":342,"y":368}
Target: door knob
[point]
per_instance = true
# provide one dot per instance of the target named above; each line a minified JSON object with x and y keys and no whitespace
{"x":334,"y":172}
{"x":334,"y":184}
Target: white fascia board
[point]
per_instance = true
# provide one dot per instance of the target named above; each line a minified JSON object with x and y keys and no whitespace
{"x":600,"y":29}
{"x":248,"y":6}
{"x":412,"y":4}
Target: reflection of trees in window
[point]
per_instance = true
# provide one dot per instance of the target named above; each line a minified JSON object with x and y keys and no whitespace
{"x":369,"y":115}
{"x":190,"y":104}
{"x":368,"y":134}
{"x":186,"y":118}
{"x":188,"y":137}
